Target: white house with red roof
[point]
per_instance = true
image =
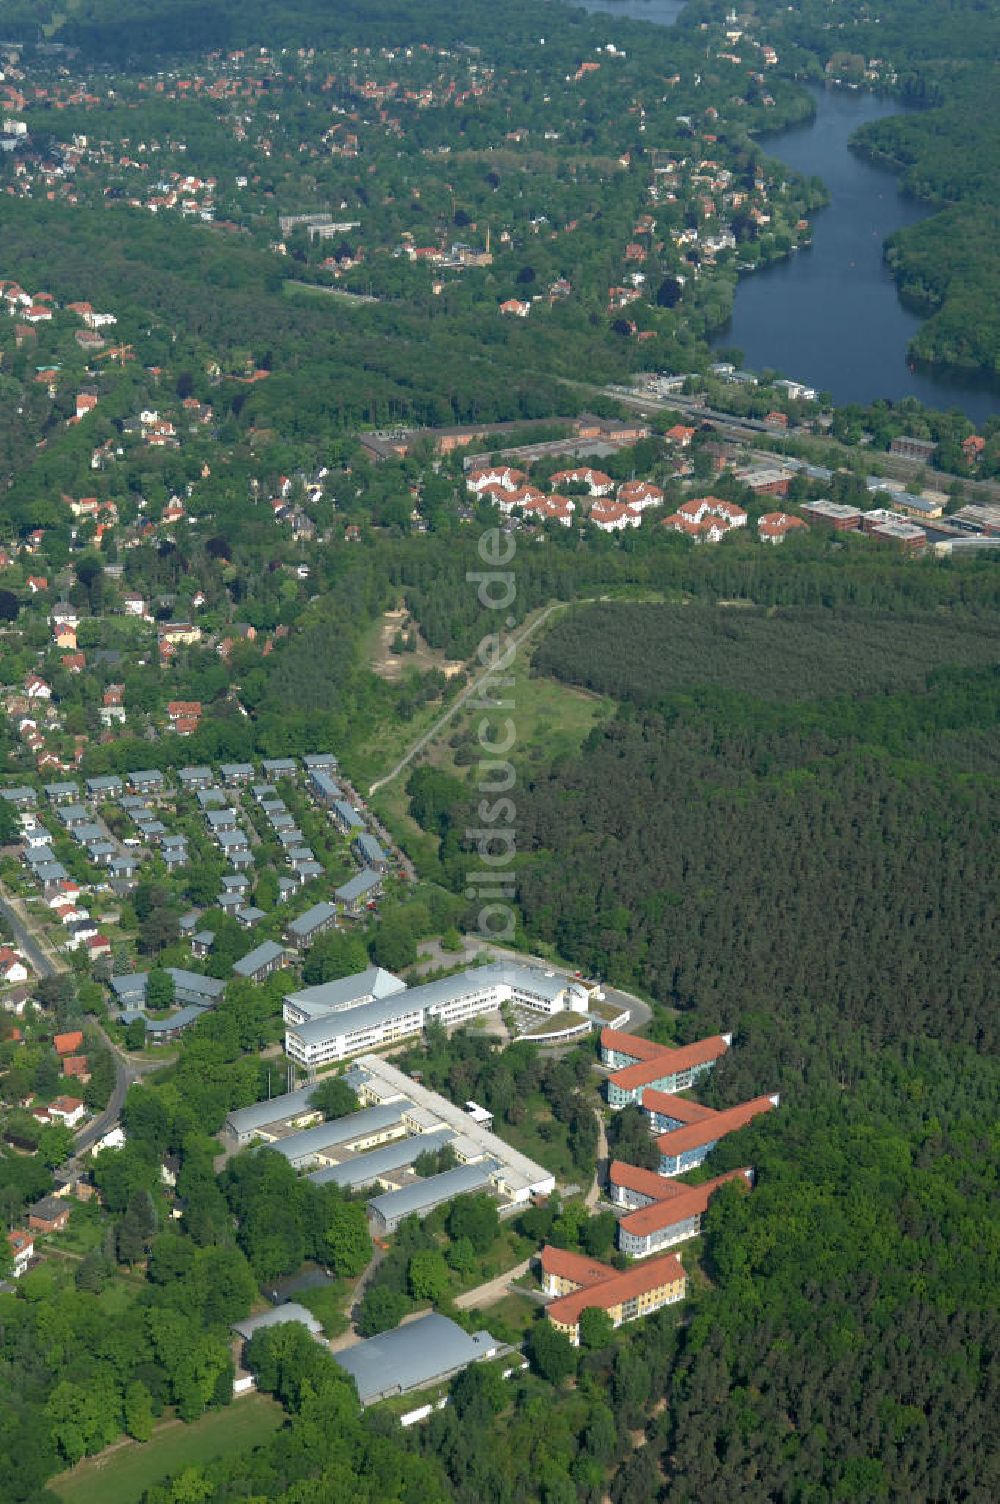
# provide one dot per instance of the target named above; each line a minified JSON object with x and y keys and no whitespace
{"x":774,"y":527}
{"x":597,"y":483}
{"x":613,"y":517}
{"x":640,"y":494}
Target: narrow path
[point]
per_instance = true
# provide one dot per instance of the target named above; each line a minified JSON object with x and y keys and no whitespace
{"x":601,"y":1167}
{"x":493,"y":1290}
{"x":479,"y":683}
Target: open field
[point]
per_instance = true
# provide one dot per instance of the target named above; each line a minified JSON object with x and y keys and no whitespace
{"x":121,"y":1475}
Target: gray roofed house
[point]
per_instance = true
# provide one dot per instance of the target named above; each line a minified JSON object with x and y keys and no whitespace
{"x":235,"y":882}
{"x":188,"y":923}
{"x":413,"y":1356}
{"x":281,"y":819}
{"x":51,"y":872}
{"x":249,"y":916}
{"x":170,"y":842}
{"x":369,"y":851}
{"x":202,"y":942}
{"x":262,"y":792}
{"x":278,"y":1316}
{"x":319,"y":762}
{"x":237,"y":772}
{"x":91,"y":831}
{"x":40,"y":856}
{"x":261,"y":961}
{"x":307,"y":871}
{"x":72,"y":815}
{"x":359,"y":890}
{"x":211,"y":798}
{"x":296,"y":855}
{"x":290,"y":837}
{"x":104,"y":786}
{"x":22,"y":796}
{"x":133,"y":804}
{"x":161,"y":1029}
{"x":279,"y":767}
{"x":229,"y":902}
{"x":324,"y":787}
{"x":194,"y":778}
{"x":364,"y":1169}
{"x":419,"y":1200}
{"x":220,"y":819}
{"x":100,"y":852}
{"x":153,"y":829}
{"x":124,"y":866}
{"x":231,"y":840}
{"x":346,"y":816}
{"x":286,"y":887}
{"x":60,"y":793}
{"x":314,"y":922}
{"x":146,"y":778}
{"x":189,"y":987}
{"x":372,"y":1125}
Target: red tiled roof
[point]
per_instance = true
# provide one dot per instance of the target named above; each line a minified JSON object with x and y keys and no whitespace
{"x":631,"y":1044}
{"x":676,"y":1107}
{"x":669,"y":1061}
{"x":693,"y":1135}
{"x":68,"y":1044}
{"x":575,"y":1266}
{"x":621,"y":1287}
{"x":689,"y":1201}
{"x":646,"y":1182}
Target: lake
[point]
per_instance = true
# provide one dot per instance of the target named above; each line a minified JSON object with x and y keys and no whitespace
{"x":830,"y":315}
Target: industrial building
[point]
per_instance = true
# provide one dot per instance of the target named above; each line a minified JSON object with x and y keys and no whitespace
{"x":421,"y":1198}
{"x":327,"y":1024}
{"x":413,"y":1356}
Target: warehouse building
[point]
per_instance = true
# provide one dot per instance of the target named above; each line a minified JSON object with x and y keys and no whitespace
{"x":420,"y":1353}
{"x":320,"y":1144}
{"x":419,"y":1200}
{"x":265,"y":1120}
{"x":387,"y":1166}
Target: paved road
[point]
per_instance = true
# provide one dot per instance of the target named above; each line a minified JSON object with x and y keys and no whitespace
{"x":44,"y":960}
{"x":48,"y":963}
{"x":479,"y":683}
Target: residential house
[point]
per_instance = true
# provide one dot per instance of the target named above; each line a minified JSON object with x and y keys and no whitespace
{"x":259,"y":963}
{"x":22,"y":1247}
{"x":48,"y":1215}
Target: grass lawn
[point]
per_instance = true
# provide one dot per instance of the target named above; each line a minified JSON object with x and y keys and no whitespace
{"x":122,"y":1476}
{"x":515,"y":1313}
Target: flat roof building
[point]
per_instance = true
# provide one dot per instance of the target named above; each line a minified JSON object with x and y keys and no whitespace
{"x":336,"y":1033}
{"x":365,"y":1129}
{"x":382,"y":1164}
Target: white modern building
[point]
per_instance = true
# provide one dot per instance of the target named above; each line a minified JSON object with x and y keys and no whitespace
{"x":340,"y":1019}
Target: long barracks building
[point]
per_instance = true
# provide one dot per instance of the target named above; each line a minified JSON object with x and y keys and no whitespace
{"x":689,"y":1145}
{"x":659,"y":1213}
{"x":640,"y":1063}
